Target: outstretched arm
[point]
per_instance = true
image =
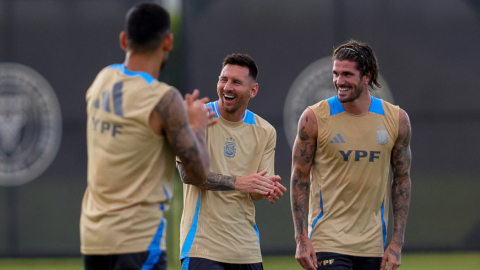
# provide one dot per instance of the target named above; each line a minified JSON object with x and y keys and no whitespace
{"x":401,"y":187}
{"x":302,"y":159}
{"x":183,"y":125}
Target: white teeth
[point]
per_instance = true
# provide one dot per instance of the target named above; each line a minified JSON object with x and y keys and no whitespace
{"x":343,"y":89}
{"x":227,"y":96}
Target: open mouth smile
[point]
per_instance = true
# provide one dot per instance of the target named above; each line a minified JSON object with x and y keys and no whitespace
{"x":229,"y":97}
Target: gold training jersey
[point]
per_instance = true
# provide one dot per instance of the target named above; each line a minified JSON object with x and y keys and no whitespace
{"x":349,"y":178}
{"x":220,"y":225}
{"x":130,"y":168}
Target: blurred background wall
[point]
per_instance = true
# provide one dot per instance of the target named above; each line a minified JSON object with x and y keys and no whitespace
{"x":427,"y":50}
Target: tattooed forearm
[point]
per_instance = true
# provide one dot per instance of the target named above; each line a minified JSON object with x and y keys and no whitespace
{"x":219,"y":182}
{"x":401,"y":186}
{"x":189,"y":145}
{"x":215,"y":182}
{"x":299,"y":191}
{"x":302,"y":159}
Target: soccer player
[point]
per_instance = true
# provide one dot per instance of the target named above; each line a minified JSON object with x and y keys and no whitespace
{"x":346,"y":145}
{"x":136,"y":126}
{"x":218,"y":229}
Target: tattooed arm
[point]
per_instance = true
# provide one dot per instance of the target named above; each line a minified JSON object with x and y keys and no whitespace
{"x":254,"y":183}
{"x":183,"y":124}
{"x":302,"y":159}
{"x":401,"y":187}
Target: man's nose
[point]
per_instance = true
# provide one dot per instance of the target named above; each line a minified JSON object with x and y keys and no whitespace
{"x":228,"y":86}
{"x":339,"y":80}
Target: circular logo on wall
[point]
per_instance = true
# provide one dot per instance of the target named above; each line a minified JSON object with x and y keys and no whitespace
{"x":30,"y":124}
{"x":313,"y":85}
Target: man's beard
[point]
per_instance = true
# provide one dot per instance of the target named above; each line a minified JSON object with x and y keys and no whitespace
{"x":355,"y":94}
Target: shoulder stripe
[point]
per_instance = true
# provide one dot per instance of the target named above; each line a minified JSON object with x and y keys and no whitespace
{"x":147,"y":77}
{"x":249,"y":118}
{"x":213,"y":107}
{"x":335,"y":106}
{"x":376,"y":106}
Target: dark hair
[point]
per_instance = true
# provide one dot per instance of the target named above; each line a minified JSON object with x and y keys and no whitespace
{"x":243,"y":60}
{"x":146,"y":24}
{"x":362,"y":54}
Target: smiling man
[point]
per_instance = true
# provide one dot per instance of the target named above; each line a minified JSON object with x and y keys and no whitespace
{"x":342,"y":156}
{"x":218,"y":230}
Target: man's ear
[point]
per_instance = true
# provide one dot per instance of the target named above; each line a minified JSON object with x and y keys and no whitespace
{"x":367,"y":77}
{"x":254,"y":90}
{"x":123,"y":40}
{"x":167,"y":43}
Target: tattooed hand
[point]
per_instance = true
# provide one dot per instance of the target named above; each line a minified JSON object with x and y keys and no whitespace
{"x":305,"y":254}
{"x":393,"y":256}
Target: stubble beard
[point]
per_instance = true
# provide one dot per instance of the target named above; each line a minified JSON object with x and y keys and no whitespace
{"x":227,"y":110}
{"x":355,"y":93}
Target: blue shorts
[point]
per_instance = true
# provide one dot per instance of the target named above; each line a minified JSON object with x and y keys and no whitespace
{"x":130,"y":261}
{"x":193,"y":263}
{"x":335,"y":261}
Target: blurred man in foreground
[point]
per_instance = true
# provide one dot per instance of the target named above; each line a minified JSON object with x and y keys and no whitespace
{"x":136,"y":126}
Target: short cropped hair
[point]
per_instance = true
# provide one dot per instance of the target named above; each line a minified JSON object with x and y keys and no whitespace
{"x":243,"y":60}
{"x":362,"y":54}
{"x":146,"y":24}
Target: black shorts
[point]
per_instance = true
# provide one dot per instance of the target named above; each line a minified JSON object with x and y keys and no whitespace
{"x":144,"y":260}
{"x":335,"y":261}
{"x":193,"y":263}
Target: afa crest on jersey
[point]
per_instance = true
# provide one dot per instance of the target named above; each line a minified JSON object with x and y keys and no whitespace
{"x":382,"y":135}
{"x":230,"y":148}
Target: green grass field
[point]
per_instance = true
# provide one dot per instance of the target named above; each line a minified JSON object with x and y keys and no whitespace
{"x":440,"y":261}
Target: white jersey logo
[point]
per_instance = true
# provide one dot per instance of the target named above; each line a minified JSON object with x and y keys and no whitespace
{"x":230,"y":148}
{"x":382,"y":135}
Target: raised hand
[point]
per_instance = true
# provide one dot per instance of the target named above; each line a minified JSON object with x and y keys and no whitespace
{"x":198,"y":113}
